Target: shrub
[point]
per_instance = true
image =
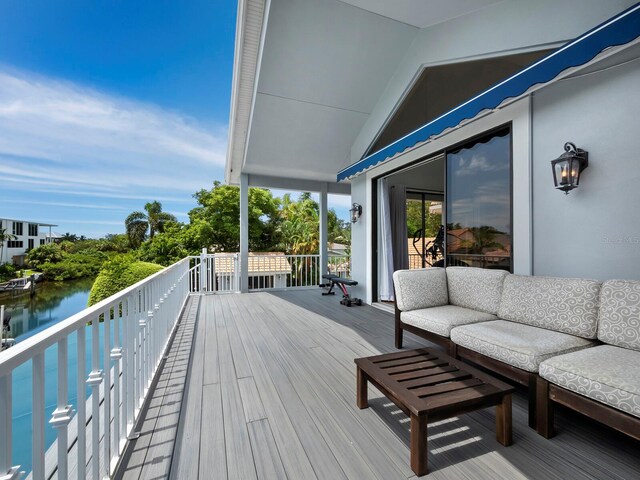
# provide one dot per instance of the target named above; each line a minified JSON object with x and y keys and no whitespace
{"x":75,"y":265}
{"x":51,"y":253}
{"x":7,"y":272}
{"x":119,"y":273}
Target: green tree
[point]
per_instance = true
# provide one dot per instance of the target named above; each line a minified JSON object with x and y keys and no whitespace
{"x":119,"y":273}
{"x":4,"y":236}
{"x":219,"y":208}
{"x":414,"y":219}
{"x":51,"y":253}
{"x":483,"y":238}
{"x":138,"y":223}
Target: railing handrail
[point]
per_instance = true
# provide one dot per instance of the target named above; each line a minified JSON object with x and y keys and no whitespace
{"x":23,"y":351}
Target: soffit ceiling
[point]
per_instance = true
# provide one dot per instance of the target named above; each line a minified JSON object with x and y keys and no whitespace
{"x":421,"y":13}
{"x":324,"y":66}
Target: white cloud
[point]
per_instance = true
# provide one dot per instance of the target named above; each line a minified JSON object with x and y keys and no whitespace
{"x":68,"y":138}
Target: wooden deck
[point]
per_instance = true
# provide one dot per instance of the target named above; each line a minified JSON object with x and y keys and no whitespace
{"x":270,"y":393}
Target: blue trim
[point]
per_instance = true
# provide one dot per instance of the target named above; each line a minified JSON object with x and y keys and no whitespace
{"x":619,"y":30}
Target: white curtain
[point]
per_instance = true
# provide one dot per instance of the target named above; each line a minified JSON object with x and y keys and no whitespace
{"x":385,"y":258}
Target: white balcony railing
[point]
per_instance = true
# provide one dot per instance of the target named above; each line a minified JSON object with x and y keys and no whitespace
{"x":129,"y":333}
{"x":220,"y":272}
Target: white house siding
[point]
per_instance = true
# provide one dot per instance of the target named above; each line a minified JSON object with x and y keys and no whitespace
{"x":594,"y":231}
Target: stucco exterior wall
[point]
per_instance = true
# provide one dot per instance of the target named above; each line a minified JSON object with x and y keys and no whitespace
{"x":509,"y":26}
{"x":594,"y":231}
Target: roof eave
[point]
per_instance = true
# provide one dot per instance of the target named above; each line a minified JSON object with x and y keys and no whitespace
{"x":248,"y":50}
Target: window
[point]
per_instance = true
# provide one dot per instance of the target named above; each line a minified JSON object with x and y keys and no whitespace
{"x":15,"y":244}
{"x":478,"y":201}
{"x":42,"y":241}
{"x":17,"y":228}
{"x":30,"y":243}
{"x":33,"y":229}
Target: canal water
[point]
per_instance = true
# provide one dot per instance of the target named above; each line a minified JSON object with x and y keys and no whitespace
{"x":52,"y":303}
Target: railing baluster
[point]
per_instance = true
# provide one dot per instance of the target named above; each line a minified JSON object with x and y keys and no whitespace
{"x":63,"y":413}
{"x":116,"y":355}
{"x":94,"y":381}
{"x":37,"y":417}
{"x":106,"y":403}
{"x":6,"y":425}
{"x":81,"y":416}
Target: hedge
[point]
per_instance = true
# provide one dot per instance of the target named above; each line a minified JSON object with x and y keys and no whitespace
{"x":118,"y":274}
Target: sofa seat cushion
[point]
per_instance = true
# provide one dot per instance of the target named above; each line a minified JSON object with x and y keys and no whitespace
{"x":619,"y":315}
{"x":475,"y":288}
{"x":605,"y":373}
{"x":519,"y":345}
{"x":567,"y":305}
{"x":423,"y":288}
{"x":441,"y":320}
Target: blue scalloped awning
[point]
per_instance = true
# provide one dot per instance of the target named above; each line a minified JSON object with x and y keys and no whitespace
{"x":619,"y":30}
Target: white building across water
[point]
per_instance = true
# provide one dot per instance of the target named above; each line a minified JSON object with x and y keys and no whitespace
{"x":23,"y":236}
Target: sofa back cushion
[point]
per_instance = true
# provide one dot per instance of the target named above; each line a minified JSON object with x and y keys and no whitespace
{"x":423,"y":288}
{"x":619,"y":315}
{"x":566,"y":305}
{"x":475,"y":288}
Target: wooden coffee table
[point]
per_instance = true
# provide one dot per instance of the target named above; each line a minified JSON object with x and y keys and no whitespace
{"x":429,"y":386}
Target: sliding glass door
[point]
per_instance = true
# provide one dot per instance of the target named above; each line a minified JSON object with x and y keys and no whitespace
{"x":478,"y":203}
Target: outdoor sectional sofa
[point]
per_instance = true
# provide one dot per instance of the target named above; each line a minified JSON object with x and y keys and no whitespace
{"x":570,"y":341}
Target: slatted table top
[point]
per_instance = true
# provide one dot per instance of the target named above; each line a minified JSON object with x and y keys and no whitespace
{"x":428,"y":382}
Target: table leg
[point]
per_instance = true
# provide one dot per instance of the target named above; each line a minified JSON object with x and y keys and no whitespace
{"x":362,"y":399}
{"x":503,"y":421}
{"x":418,"y":445}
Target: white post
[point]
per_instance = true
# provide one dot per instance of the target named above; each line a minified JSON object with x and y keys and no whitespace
{"x":244,"y":233}
{"x":203,"y":270}
{"x":324,"y":237}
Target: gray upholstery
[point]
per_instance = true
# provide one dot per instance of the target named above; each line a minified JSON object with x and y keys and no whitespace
{"x":442,"y":319}
{"x":619,"y":315}
{"x":562,"y":304}
{"x":522,"y":346}
{"x":423,"y":288}
{"x":476,"y":288}
{"x":604,"y":373}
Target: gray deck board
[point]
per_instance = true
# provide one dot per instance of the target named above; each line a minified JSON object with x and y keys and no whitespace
{"x":271,"y":395}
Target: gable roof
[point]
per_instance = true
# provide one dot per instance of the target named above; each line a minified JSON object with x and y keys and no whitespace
{"x":620,"y":30}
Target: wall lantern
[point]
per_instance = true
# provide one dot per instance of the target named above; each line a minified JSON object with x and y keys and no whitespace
{"x":568,"y":167}
{"x":356,"y":211}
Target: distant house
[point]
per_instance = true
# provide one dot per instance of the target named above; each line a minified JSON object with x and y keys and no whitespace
{"x":266,"y":270}
{"x":338,"y":249}
{"x":26,"y":235}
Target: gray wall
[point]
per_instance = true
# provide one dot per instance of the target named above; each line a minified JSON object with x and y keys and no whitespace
{"x":508,"y":25}
{"x":594,"y":231}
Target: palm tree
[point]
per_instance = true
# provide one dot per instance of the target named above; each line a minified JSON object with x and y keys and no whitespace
{"x":154,"y":220}
{"x":4,"y":236}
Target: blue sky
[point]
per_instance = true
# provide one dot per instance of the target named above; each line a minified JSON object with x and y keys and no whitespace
{"x":107,"y":105}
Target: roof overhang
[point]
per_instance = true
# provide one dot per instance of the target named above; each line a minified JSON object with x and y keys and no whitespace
{"x":609,"y":38}
{"x":307,"y":75}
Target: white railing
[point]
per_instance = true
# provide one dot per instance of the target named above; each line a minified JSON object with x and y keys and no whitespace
{"x":129,"y":333}
{"x":220,"y":272}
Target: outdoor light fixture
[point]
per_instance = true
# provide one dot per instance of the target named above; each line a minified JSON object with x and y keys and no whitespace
{"x":568,"y":167}
{"x":356,"y":211}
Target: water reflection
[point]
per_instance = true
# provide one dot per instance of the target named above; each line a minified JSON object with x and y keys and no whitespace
{"x":53,"y":302}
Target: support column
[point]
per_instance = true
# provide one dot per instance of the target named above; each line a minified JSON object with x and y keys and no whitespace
{"x":244,"y":233}
{"x":324,"y":237}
